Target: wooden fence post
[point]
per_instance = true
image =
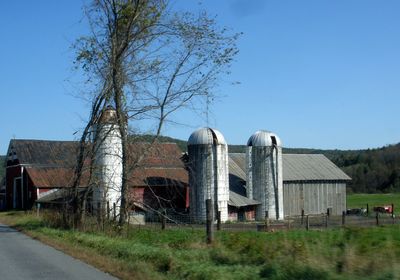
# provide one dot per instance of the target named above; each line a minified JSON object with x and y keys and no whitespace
{"x":393,"y":216}
{"x":163,"y":220}
{"x":392,"y":210}
{"x":219,"y":220}
{"x":209,"y":221}
{"x":266,"y":220}
{"x":326,"y":220}
{"x":307,"y":222}
{"x":108,"y":210}
{"x":343,"y":218}
{"x":114,"y":212}
{"x":38,"y":210}
{"x":98,"y":213}
{"x":128,"y":225}
{"x":367,"y":209}
{"x":302,"y":216}
{"x":328,"y":212}
{"x":377,"y":218}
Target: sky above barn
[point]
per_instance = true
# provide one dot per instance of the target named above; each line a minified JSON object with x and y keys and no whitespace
{"x":320,"y":74}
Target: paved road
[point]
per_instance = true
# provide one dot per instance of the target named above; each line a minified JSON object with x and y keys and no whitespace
{"x":22,"y":257}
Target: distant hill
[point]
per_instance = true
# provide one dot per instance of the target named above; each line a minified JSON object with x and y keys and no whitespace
{"x":148,"y":138}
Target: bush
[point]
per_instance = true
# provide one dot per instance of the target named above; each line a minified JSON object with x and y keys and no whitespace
{"x":288,"y":272}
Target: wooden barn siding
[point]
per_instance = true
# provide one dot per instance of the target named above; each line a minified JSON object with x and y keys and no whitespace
{"x":314,"y":197}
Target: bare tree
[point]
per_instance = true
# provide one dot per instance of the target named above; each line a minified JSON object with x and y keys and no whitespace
{"x":148,"y":62}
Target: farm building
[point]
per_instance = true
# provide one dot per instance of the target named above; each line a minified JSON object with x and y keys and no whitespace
{"x":310,"y":182}
{"x":261,"y":181}
{"x":245,"y":186}
{"x":37,"y":168}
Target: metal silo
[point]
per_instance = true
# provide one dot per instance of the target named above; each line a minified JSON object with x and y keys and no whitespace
{"x":208,"y":173}
{"x":108,"y":160}
{"x":264,"y":168}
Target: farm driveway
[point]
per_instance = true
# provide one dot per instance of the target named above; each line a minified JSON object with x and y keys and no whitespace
{"x":22,"y":257}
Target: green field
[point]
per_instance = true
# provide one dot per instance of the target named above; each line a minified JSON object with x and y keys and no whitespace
{"x":343,"y":253}
{"x":361,"y":200}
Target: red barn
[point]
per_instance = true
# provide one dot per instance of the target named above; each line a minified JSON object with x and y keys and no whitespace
{"x":35,"y":167}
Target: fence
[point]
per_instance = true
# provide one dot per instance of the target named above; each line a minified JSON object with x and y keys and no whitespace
{"x":169,"y":218}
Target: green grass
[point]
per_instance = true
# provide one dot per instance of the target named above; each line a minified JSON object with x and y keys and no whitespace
{"x":349,"y":253}
{"x":361,"y":200}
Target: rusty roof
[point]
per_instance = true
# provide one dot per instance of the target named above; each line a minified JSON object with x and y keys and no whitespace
{"x":50,"y":164}
{"x":159,"y":177}
{"x":44,"y":152}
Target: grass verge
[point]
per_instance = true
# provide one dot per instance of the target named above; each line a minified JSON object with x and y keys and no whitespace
{"x":348,"y":253}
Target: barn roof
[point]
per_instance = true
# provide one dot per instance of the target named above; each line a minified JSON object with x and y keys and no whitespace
{"x":51,"y":177}
{"x":297,"y":167}
{"x":311,"y":167}
{"x":50,"y":164}
{"x":45,"y":152}
{"x":238,"y":200}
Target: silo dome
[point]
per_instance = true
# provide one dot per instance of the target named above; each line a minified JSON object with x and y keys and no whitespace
{"x":206,"y":136}
{"x":264,"y":138}
{"x":109,"y":115}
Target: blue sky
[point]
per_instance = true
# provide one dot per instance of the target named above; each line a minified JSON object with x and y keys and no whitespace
{"x":320,"y":74}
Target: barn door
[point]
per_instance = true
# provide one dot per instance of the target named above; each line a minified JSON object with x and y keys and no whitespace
{"x":18,"y":194}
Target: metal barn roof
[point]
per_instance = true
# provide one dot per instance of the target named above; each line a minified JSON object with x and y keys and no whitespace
{"x":297,"y":167}
{"x":238,"y":200}
{"x":50,"y":164}
{"x":311,"y":167}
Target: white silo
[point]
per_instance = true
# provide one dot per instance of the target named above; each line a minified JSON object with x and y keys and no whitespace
{"x":108,"y":160}
{"x":264,"y":168}
{"x":208,"y":173}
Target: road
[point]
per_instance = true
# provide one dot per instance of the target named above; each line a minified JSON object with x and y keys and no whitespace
{"x":22,"y":257}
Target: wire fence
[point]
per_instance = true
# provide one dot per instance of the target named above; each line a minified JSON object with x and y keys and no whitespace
{"x":307,"y":222}
{"x":172,"y":219}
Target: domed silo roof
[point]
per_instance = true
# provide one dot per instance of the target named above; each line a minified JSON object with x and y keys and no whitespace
{"x":206,"y":136}
{"x":264,"y":138}
{"x":109,"y":115}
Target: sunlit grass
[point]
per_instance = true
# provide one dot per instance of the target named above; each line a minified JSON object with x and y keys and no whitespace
{"x":361,"y":200}
{"x":346,"y":253}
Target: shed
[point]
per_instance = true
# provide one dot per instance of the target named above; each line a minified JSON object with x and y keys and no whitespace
{"x":310,"y":182}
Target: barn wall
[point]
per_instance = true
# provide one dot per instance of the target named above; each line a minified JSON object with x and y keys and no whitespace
{"x":314,"y":197}
{"x":156,"y":197}
{"x":27,"y":193}
{"x":11,"y":173}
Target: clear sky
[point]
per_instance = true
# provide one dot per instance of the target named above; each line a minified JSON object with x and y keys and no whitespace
{"x":320,"y":74}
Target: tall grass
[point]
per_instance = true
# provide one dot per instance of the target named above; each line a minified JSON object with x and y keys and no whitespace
{"x":348,"y":253}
